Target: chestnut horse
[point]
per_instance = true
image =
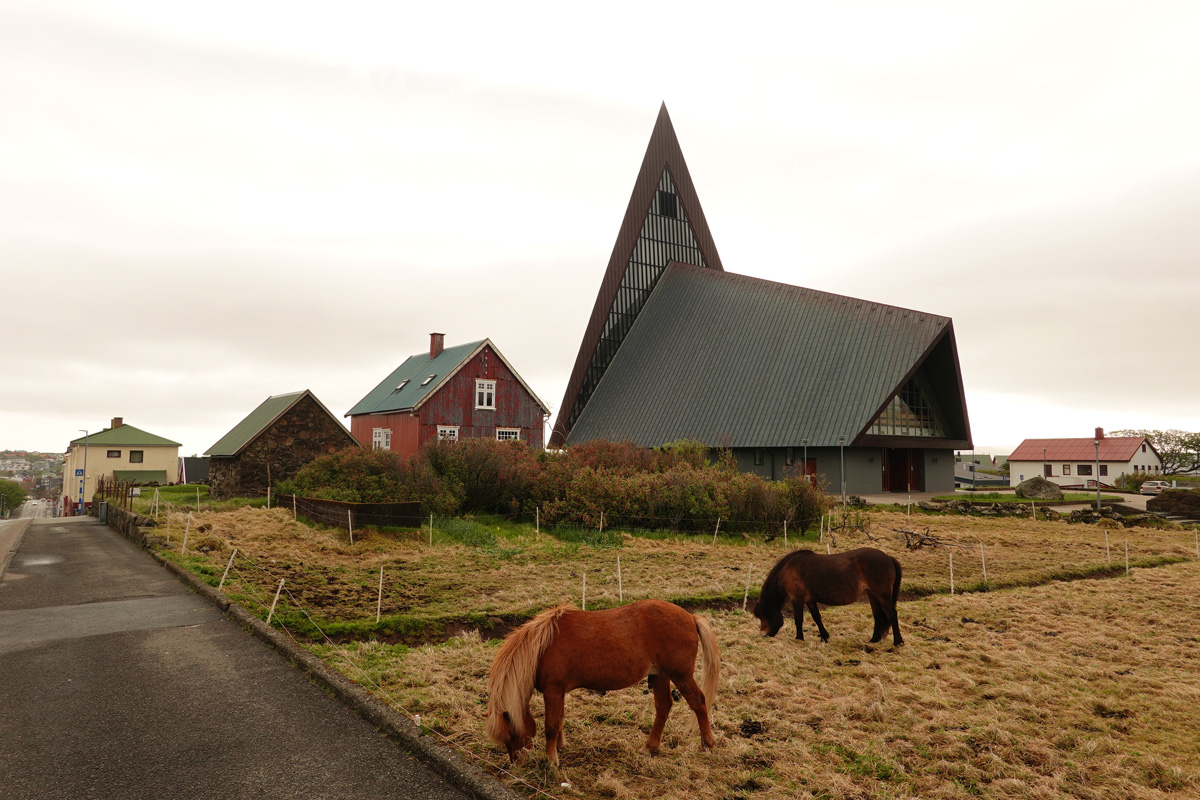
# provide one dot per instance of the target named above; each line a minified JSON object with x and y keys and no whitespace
{"x":564,"y":648}
{"x":807,"y":578}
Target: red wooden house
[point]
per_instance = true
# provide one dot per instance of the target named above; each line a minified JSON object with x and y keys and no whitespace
{"x":449,"y":393}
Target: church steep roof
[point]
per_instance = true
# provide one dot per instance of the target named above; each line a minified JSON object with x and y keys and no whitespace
{"x":737,"y":361}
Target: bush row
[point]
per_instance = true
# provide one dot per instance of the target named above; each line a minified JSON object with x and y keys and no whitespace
{"x":675,"y":487}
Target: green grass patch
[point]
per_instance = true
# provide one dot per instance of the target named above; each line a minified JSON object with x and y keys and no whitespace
{"x":189,"y":497}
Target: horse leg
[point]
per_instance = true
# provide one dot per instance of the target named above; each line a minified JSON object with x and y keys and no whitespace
{"x":897,"y":639}
{"x":881,"y":618}
{"x":798,"y":613}
{"x":816,"y":615}
{"x":662,"y":707}
{"x":555,"y":710}
{"x":699,"y":705}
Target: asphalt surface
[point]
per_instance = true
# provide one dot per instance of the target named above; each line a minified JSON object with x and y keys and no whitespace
{"x":116,"y":681}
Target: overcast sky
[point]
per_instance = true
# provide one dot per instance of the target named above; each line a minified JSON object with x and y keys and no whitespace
{"x":205,"y":204}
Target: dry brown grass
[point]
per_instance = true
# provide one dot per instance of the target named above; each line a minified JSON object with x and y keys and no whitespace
{"x":1054,"y":688}
{"x":525,"y":574}
{"x":1084,"y":689}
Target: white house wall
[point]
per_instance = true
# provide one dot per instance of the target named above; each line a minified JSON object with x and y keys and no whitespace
{"x":1143,"y":463}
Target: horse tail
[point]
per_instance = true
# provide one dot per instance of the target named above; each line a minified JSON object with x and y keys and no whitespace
{"x":710,"y":674}
{"x":511,"y":679}
{"x":896,"y":583}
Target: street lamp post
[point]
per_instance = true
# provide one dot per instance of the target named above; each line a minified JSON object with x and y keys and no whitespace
{"x":1096,"y":444}
{"x":842,"y":469}
{"x":1043,"y":462}
{"x":806,"y":459}
{"x":83,"y":483}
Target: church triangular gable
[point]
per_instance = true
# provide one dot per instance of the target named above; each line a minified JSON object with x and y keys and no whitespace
{"x":928,"y":405}
{"x":663,"y":223}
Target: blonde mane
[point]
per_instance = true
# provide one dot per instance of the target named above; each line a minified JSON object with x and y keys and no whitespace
{"x":510,"y":682}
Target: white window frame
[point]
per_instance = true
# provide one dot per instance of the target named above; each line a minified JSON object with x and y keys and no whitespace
{"x":447,"y":433}
{"x":381,"y":438}
{"x":485,"y":393}
{"x":508,"y":434}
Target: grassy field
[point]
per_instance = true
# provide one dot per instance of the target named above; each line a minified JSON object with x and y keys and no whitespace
{"x":1058,"y":676}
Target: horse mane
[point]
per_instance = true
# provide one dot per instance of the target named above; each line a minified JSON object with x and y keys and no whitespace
{"x":772,"y":595}
{"x":510,"y":682}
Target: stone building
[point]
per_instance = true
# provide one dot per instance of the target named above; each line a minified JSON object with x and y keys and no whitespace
{"x":279,"y":437}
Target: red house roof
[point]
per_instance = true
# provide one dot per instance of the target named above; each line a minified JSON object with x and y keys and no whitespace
{"x":1118,"y":448}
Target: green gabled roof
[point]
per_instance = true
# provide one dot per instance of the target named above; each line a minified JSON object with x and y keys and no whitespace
{"x":140,"y":475}
{"x":415,"y":369}
{"x":124,"y":436}
{"x":255,"y":423}
{"x":735,"y":361}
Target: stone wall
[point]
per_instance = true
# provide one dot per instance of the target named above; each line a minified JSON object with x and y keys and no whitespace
{"x":124,"y":522}
{"x":304,"y":432}
{"x":1176,"y":501}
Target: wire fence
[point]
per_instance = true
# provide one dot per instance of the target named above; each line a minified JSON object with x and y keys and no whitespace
{"x":252,"y":578}
{"x":261,"y":585}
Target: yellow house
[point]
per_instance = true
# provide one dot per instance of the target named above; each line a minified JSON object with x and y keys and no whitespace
{"x":123,"y":452}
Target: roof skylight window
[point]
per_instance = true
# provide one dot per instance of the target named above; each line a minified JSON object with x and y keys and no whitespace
{"x":403,"y":383}
{"x":427,"y":380}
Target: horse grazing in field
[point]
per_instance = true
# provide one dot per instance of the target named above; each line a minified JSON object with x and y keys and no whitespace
{"x":807,"y":578}
{"x":564,"y":648}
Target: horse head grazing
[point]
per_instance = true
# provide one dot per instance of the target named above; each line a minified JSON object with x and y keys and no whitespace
{"x":515,"y":738}
{"x":769,"y":607}
{"x":769,"y":622}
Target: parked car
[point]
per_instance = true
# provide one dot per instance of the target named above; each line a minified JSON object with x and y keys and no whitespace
{"x":1154,"y":487}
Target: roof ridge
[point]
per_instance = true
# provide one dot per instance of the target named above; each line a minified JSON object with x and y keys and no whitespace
{"x":792,"y":288}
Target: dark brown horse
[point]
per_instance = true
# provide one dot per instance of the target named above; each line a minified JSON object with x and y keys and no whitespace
{"x":565,"y":648}
{"x":807,"y":578}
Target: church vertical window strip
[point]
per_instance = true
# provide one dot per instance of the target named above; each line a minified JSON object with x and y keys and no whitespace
{"x":666,"y":236}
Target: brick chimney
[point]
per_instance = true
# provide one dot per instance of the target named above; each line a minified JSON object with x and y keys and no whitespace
{"x":117,"y":422}
{"x":1099,"y":433}
{"x":436,"y":344}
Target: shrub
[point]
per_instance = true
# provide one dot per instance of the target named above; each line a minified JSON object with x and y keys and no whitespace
{"x":672,"y":487}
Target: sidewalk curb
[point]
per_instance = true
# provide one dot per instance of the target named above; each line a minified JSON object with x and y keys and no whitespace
{"x":14,"y":538}
{"x":395,"y":725}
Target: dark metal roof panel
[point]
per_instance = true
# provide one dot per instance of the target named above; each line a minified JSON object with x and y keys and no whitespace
{"x":732,"y":360}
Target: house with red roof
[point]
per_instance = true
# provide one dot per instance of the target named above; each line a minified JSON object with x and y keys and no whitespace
{"x":1080,"y":463}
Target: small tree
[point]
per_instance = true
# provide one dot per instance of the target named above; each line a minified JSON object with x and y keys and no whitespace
{"x":12,"y":494}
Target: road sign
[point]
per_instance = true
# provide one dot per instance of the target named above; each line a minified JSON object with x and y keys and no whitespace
{"x":79,"y":473}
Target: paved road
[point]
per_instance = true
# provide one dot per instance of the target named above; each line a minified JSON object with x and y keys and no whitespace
{"x":117,"y":682}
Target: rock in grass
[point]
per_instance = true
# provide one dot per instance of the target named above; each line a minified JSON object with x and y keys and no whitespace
{"x":1038,"y":488}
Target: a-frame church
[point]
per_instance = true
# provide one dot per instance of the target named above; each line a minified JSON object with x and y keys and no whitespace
{"x":866,"y":394}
